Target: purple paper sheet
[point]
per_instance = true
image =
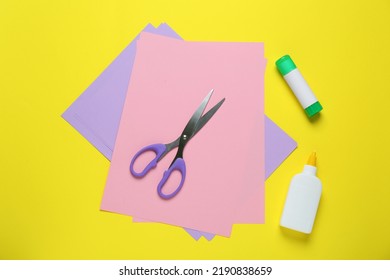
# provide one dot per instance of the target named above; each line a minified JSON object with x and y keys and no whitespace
{"x":96,"y":113}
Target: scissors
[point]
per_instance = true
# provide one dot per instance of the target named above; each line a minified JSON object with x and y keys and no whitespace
{"x":195,"y":124}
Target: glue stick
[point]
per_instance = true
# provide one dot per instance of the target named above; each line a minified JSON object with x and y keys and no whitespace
{"x":298,"y":85}
{"x":303,"y":198}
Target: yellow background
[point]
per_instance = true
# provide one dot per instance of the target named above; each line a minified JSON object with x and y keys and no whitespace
{"x":52,"y":179}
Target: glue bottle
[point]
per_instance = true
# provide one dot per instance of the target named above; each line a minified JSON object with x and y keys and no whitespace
{"x":302,"y":199}
{"x":298,"y":85}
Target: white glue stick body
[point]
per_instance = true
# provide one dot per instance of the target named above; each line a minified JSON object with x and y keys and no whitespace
{"x":298,"y":85}
{"x":302,"y":200}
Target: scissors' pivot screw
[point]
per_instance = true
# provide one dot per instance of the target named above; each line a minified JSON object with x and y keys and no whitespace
{"x":184,"y":137}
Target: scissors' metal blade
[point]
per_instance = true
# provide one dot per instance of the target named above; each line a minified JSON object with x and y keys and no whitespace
{"x":201,"y":123}
{"x":190,"y":128}
{"x":206,"y":117}
{"x":195,"y":124}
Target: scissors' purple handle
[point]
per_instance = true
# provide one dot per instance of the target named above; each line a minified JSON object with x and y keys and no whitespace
{"x":158,"y":149}
{"x":179,"y":165}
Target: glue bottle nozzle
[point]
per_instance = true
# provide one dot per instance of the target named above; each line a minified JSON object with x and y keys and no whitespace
{"x":312,"y":159}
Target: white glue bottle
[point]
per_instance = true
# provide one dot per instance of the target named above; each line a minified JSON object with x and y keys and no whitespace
{"x":298,"y":85}
{"x":302,"y":200}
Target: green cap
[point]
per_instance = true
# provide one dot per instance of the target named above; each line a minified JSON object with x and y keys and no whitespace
{"x":285,"y":64}
{"x":313,"y":109}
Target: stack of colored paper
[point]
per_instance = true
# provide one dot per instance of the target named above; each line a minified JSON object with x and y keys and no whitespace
{"x":148,"y":94}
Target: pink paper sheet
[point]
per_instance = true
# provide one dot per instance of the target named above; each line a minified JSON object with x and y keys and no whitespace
{"x":223,"y":160}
